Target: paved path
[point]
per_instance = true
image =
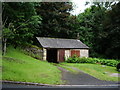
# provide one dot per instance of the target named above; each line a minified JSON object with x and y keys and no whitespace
{"x":82,"y":78}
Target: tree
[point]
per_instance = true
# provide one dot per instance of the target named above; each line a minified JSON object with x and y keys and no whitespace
{"x":55,"y":19}
{"x":99,"y":29}
{"x":20,"y":22}
{"x":112,"y":27}
{"x":91,"y":28}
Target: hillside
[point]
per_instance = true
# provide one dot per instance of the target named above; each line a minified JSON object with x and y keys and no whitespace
{"x":20,"y":67}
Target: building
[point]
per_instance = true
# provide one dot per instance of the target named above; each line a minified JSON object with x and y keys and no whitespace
{"x":56,"y":50}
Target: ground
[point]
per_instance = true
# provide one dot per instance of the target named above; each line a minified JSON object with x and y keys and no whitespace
{"x":20,"y":67}
{"x":82,"y":78}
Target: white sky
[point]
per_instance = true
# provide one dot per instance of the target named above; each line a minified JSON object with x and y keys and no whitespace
{"x":79,"y":6}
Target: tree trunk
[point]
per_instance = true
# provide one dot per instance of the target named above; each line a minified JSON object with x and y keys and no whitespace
{"x":4,"y":45}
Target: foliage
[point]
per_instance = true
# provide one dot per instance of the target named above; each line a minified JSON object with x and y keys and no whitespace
{"x":56,"y":19}
{"x":112,"y":27}
{"x":91,"y":28}
{"x":20,"y":22}
{"x":73,"y":59}
{"x":93,"y":61}
{"x":98,"y":27}
{"x":20,"y":67}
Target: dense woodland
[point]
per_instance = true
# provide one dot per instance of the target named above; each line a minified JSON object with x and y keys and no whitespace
{"x":98,"y":26}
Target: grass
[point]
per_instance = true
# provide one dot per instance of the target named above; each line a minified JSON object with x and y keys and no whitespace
{"x":20,"y":67}
{"x":67,"y":68}
{"x":96,"y":70}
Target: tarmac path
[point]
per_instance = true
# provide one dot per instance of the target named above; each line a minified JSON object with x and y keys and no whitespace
{"x":82,"y":78}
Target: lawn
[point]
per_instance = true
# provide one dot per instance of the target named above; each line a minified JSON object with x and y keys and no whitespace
{"x":101,"y":72}
{"x":20,"y":67}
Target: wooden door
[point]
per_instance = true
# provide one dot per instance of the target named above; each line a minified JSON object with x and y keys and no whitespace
{"x":61,"y":55}
{"x":75,"y":52}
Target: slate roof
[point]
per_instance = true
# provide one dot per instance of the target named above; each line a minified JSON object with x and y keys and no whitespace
{"x":61,"y":43}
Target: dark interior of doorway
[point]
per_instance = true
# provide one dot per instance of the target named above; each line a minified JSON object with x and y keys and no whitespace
{"x":52,"y":55}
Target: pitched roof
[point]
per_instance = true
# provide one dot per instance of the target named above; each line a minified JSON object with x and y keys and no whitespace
{"x":61,"y":43}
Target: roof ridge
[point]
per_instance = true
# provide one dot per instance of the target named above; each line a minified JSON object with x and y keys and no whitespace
{"x":57,"y":38}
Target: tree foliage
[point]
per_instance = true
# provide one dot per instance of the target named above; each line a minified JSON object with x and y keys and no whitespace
{"x":55,"y":19}
{"x":99,"y":29}
{"x":112,"y":28}
{"x":21,"y":21}
{"x":98,"y":26}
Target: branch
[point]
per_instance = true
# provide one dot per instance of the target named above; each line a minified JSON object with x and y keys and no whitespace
{"x":21,"y":25}
{"x":5,"y":21}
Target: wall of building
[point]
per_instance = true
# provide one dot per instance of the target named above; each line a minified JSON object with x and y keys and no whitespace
{"x":67,"y":54}
{"x":84,"y":53}
{"x":44,"y":54}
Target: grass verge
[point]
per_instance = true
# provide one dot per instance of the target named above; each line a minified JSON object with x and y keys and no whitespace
{"x":20,"y":67}
{"x":67,"y":68}
{"x":101,"y":72}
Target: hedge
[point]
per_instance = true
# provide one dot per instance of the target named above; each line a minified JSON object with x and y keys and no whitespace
{"x":108,"y":62}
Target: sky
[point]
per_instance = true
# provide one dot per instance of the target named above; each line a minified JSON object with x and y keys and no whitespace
{"x":79,"y":6}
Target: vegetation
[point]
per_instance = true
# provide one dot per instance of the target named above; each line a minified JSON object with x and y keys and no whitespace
{"x":101,"y":72}
{"x":55,"y":19}
{"x":63,"y":65}
{"x":20,"y":67}
{"x":20,"y":23}
{"x":98,"y":26}
{"x":107,"y":62}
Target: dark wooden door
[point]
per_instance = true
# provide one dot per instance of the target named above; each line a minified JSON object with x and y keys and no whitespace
{"x":75,"y":52}
{"x":61,"y":55}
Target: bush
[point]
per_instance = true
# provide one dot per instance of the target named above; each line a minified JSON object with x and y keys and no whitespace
{"x":73,"y":59}
{"x":107,"y":62}
{"x":82,"y":60}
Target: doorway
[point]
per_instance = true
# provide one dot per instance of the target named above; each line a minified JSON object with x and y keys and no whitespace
{"x":61,"y":55}
{"x":52,"y":55}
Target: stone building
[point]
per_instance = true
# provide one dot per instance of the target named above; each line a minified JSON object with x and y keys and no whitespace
{"x":56,"y":50}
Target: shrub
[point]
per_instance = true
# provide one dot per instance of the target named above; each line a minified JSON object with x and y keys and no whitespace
{"x":73,"y":59}
{"x":107,"y":62}
{"x":82,"y":60}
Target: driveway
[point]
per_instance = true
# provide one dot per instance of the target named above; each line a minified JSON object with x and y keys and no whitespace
{"x":82,"y":78}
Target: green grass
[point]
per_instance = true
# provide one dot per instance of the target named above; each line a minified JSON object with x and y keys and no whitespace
{"x":19,"y":67}
{"x":67,"y":68}
{"x":95,"y":70}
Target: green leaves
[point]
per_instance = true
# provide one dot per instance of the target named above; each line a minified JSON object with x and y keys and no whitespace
{"x":98,"y":28}
{"x":7,"y":33}
{"x":55,"y":19}
{"x":21,"y":22}
{"x":107,"y":62}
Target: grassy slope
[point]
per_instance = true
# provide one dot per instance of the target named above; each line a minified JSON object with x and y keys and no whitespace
{"x":20,"y":67}
{"x":96,"y":70}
